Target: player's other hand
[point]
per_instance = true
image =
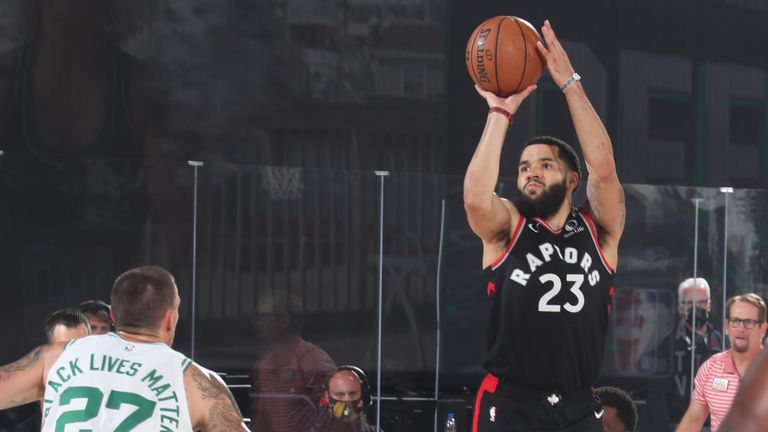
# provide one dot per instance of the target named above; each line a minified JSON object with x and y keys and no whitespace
{"x":558,"y":64}
{"x":511,"y":103}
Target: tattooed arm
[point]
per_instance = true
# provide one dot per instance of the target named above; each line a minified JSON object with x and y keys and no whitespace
{"x":211,"y":405}
{"x":22,"y":381}
{"x":605,"y":195}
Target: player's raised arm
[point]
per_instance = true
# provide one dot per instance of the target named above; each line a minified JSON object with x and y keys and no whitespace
{"x":489,"y":216}
{"x":211,"y":405}
{"x":604,"y":192}
{"x":22,"y":381}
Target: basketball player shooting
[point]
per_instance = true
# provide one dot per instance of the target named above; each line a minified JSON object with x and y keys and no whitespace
{"x":549,"y":265}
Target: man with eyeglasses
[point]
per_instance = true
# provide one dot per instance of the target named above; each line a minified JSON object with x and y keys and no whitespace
{"x":718,"y":379}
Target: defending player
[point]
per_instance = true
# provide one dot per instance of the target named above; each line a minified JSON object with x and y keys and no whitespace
{"x":130,"y":380}
{"x":549,"y":264}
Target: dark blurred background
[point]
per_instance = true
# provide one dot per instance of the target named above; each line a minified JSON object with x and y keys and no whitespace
{"x":293,"y":104}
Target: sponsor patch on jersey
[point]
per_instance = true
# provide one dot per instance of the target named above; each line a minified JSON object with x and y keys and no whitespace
{"x":572,"y":227}
{"x":720,"y":384}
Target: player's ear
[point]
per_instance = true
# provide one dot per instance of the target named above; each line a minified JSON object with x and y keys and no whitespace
{"x":572,"y":179}
{"x":169,"y":320}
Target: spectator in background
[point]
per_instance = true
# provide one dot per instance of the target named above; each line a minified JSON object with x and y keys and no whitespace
{"x":694,"y":303}
{"x":290,"y":379}
{"x":694,"y":300}
{"x":719,"y":378}
{"x":345,"y":402}
{"x":65,"y":325}
{"x":98,"y":316}
{"x":619,"y":411}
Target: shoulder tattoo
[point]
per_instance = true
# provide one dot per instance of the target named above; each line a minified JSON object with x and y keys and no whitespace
{"x":20,"y":365}
{"x":223,"y":411}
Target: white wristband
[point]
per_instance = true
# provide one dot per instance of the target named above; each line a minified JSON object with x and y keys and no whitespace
{"x":575,"y":77}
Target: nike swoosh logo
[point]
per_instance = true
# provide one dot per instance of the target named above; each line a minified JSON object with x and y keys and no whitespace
{"x":599,"y":414}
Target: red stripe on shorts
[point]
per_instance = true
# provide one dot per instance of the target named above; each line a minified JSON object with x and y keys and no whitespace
{"x":488,"y":385}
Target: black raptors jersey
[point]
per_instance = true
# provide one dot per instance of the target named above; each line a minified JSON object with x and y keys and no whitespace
{"x":550,"y":298}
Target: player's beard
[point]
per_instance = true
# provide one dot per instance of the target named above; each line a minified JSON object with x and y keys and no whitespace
{"x":544,"y":206}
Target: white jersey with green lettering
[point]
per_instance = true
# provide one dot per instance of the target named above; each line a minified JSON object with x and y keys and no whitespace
{"x":106,"y":383}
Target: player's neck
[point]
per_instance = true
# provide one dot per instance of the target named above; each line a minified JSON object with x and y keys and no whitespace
{"x":140,"y":336}
{"x":557,"y":220}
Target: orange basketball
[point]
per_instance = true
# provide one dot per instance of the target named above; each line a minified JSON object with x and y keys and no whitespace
{"x":502,"y":56}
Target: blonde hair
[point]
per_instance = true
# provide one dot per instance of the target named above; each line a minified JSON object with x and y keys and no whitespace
{"x":750,"y":298}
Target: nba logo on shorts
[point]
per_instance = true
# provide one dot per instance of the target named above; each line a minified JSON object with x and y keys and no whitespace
{"x":492,"y":414}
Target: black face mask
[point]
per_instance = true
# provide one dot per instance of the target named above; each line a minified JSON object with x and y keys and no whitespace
{"x":702,"y":317}
{"x":543,"y":206}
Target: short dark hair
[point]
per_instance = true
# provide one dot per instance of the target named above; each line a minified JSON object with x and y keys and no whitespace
{"x":141,"y":296}
{"x":566,"y":153}
{"x":69,"y":318}
{"x":96,"y":308}
{"x":622,"y":402}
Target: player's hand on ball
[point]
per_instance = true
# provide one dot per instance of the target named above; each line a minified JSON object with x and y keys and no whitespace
{"x":511,"y":103}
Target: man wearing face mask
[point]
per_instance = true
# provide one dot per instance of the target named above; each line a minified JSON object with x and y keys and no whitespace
{"x":345,"y":401}
{"x":694,"y":308}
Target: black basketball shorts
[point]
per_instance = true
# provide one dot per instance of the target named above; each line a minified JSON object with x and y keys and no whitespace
{"x":502,"y":407}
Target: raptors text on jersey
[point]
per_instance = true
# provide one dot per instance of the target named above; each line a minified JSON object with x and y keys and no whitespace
{"x":550,"y":296}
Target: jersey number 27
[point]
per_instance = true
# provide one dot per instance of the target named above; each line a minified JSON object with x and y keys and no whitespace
{"x":93,"y":397}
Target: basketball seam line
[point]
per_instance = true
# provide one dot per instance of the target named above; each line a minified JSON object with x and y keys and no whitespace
{"x":496,"y":56}
{"x":525,"y":57}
